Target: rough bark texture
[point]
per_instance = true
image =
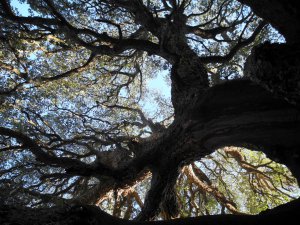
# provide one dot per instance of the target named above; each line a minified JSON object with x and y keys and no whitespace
{"x":283,"y":15}
{"x":276,"y":68}
{"x":239,"y":113}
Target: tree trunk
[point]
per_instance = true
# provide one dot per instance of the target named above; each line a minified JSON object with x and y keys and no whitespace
{"x":283,"y":15}
{"x":276,"y":67}
{"x":91,"y":215}
{"x":236,"y":113}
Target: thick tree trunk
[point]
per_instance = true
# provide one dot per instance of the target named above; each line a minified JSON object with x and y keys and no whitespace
{"x":236,"y":113}
{"x":189,"y":81}
{"x":283,"y":15}
{"x":91,"y":215}
{"x":241,"y":113}
{"x":276,"y":67}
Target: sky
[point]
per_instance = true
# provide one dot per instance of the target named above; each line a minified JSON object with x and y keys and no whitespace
{"x":157,"y":84}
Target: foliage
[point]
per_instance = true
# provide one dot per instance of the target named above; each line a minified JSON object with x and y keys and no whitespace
{"x":75,"y":105}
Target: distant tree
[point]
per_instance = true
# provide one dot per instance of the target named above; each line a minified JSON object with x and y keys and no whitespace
{"x":81,"y":129}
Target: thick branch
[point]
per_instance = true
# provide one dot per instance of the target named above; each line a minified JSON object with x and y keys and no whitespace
{"x":283,"y":15}
{"x":60,"y":24}
{"x":285,"y":214}
{"x":241,"y":113}
{"x":276,"y":68}
{"x":161,"y":194}
{"x":43,"y":156}
{"x":206,"y":33}
{"x":239,"y":45}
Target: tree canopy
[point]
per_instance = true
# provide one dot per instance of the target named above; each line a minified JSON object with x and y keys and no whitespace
{"x":82,"y":129}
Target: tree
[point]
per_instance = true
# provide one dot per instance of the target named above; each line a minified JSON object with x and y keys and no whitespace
{"x":73,"y":129}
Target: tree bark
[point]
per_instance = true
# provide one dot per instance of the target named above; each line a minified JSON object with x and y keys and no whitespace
{"x":241,"y":113}
{"x":283,"y":15}
{"x":276,"y":66}
{"x":91,"y":215}
{"x":238,"y":113}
